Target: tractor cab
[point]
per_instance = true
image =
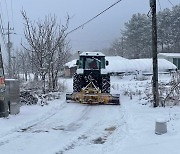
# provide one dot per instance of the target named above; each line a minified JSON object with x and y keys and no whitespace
{"x":91,"y":61}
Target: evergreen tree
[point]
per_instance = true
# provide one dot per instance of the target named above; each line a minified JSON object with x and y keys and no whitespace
{"x":137,"y":35}
{"x":176,"y":28}
{"x":164,"y":30}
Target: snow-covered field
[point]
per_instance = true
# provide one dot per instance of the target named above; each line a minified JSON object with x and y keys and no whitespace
{"x":70,"y":128}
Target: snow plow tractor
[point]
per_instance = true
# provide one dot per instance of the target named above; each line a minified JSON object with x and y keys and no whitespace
{"x":91,"y":82}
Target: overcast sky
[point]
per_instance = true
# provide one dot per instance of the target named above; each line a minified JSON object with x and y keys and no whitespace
{"x":96,"y":35}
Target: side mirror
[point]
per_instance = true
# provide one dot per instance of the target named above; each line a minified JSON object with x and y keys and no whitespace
{"x":107,"y":62}
{"x":77,"y":62}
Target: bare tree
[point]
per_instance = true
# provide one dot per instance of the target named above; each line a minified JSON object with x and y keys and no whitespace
{"x":46,"y":43}
{"x":21,"y":63}
{"x":59,"y":58}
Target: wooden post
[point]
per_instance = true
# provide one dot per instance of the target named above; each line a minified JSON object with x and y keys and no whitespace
{"x":154,"y":54}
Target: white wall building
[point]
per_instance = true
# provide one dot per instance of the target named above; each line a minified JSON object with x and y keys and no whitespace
{"x":172,"y":57}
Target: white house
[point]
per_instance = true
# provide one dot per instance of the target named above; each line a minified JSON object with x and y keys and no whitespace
{"x":172,"y":57}
{"x":70,"y":68}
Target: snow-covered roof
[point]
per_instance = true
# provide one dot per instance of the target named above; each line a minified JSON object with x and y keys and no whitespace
{"x":92,"y":54}
{"x":71,"y":63}
{"x":120,"y":64}
{"x":133,"y":65}
{"x":170,"y":54}
{"x":115,"y":58}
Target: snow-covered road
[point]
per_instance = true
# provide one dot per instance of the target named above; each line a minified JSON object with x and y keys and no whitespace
{"x":72,"y":128}
{"x":65,"y":127}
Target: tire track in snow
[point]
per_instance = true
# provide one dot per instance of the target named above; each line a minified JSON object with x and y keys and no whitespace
{"x":72,"y":126}
{"x":83,"y":129}
{"x":43,"y":118}
{"x":120,"y":124}
{"x":32,"y":123}
{"x":98,"y":133}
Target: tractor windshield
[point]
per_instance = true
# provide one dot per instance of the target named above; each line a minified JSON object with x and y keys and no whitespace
{"x":92,"y":62}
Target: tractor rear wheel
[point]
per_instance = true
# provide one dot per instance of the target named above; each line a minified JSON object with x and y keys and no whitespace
{"x":77,"y":82}
{"x":105,"y":84}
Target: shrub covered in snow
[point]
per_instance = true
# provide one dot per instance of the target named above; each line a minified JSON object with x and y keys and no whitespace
{"x":26,"y":97}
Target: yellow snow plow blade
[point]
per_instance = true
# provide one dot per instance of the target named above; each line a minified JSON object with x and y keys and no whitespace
{"x":92,"y":95}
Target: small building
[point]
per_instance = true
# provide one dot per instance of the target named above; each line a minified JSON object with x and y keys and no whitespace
{"x":119,"y":66}
{"x":115,"y":65}
{"x":172,"y":57}
{"x":132,"y":66}
{"x":70,"y":68}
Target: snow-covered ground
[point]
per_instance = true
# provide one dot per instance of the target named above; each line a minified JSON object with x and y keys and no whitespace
{"x":70,"y":128}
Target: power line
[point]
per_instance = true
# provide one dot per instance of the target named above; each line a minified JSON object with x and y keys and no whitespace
{"x":81,"y":26}
{"x":12,"y":13}
{"x":170,"y":2}
{"x":3,"y":37}
{"x":1,"y":26}
{"x":7,"y":10}
{"x":12,"y":16}
{"x":4,"y":41}
{"x":2,"y":31}
{"x":1,"y":13}
{"x":159,"y":5}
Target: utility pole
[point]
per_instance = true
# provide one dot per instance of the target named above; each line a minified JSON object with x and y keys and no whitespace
{"x":3,"y":102}
{"x":9,"y":46}
{"x":154,"y":54}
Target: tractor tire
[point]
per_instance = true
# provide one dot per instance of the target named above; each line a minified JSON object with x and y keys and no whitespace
{"x":77,"y":82}
{"x":105,"y":84}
